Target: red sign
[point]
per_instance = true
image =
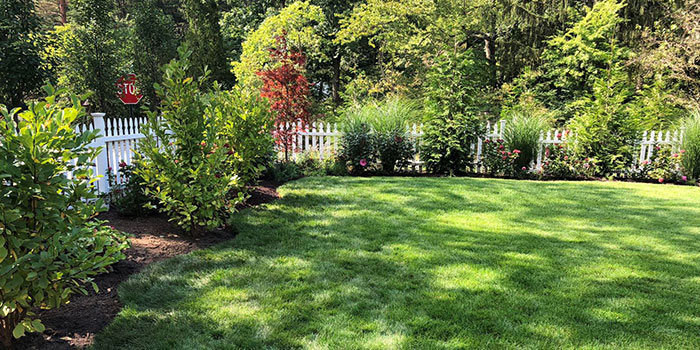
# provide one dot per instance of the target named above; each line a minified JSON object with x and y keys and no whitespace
{"x":127,"y":91}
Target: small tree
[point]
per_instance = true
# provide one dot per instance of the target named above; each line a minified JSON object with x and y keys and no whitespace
{"x":49,"y":244}
{"x":285,"y":85}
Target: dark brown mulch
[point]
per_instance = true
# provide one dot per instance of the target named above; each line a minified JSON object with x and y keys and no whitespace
{"x":74,"y":325}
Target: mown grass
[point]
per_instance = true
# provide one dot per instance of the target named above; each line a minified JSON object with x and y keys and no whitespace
{"x":433,"y":263}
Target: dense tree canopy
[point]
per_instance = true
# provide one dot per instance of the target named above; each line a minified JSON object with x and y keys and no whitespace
{"x":541,"y":55}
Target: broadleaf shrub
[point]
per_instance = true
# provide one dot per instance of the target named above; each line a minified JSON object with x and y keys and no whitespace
{"x":50,"y":244}
{"x":499,"y":160}
{"x":663,"y":166}
{"x":182,"y":158}
{"x":128,"y":197}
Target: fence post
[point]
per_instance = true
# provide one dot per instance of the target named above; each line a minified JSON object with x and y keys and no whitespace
{"x":101,"y":163}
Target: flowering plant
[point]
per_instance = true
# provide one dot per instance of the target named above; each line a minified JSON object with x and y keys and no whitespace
{"x":664,"y":165}
{"x":560,"y":162}
{"x":500,"y":161}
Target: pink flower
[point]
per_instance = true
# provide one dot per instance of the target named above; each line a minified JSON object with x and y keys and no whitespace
{"x":661,"y":180}
{"x":559,"y":135}
{"x":524,"y":168}
{"x":122,"y":164}
{"x":682,"y":151}
{"x":566,"y":157}
{"x":487,"y":141}
{"x":177,"y":161}
{"x":684,"y":178}
{"x":363,"y":162}
{"x":505,"y":157}
{"x":645,"y":162}
{"x":203,"y":144}
{"x":676,"y":155}
{"x":516,"y":151}
{"x":500,"y":147}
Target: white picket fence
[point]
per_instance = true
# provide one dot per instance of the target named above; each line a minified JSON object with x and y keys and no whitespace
{"x":119,"y":138}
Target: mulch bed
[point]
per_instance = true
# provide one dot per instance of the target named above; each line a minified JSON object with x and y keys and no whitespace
{"x":74,"y":325}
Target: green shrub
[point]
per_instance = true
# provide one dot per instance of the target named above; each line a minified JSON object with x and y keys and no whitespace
{"x":182,"y":158}
{"x":129,"y":197}
{"x":246,"y":130}
{"x":453,"y":109}
{"x":664,"y":165}
{"x":357,"y":146}
{"x":691,"y":146}
{"x":390,"y":122}
{"x":523,"y":132}
{"x":499,"y":160}
{"x":560,"y":162}
{"x":604,"y":130}
{"x":283,"y":171}
{"x":49,"y":244}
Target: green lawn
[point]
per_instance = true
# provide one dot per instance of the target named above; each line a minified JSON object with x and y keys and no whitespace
{"x":433,"y":263}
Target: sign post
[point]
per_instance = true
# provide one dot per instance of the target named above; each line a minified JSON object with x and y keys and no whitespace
{"x":128,"y":91}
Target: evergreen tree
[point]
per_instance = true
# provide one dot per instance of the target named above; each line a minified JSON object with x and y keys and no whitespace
{"x":155,"y":44}
{"x":205,"y":40}
{"x":20,"y":62}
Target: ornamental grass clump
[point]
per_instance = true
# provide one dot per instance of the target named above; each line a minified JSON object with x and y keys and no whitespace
{"x":523,"y":132}
{"x":691,"y":146}
{"x":50,"y":244}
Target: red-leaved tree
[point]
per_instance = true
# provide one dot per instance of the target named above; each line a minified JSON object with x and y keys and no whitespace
{"x":287,"y":89}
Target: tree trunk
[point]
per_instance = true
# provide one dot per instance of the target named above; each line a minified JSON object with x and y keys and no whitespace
{"x":63,"y":10}
{"x":490,"y":51}
{"x":335,"y":83}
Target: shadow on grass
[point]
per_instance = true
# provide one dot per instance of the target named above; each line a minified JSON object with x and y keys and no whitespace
{"x":431,"y":263}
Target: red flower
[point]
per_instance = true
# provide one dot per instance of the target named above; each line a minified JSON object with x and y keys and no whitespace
{"x":661,"y":180}
{"x":122,"y":164}
{"x":203,"y":144}
{"x":226,"y":145}
{"x":230,"y":152}
{"x":487,"y":141}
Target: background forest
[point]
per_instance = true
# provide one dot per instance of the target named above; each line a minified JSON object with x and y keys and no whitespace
{"x":556,"y":58}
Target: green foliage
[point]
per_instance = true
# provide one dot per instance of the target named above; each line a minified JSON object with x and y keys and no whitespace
{"x":283,"y":171}
{"x":182,"y":158}
{"x":205,"y":39}
{"x":523,"y":133}
{"x":357,"y":146}
{"x":246,"y":130}
{"x":298,"y":22}
{"x":21,"y":71}
{"x":663,"y":166}
{"x":691,"y":146}
{"x":95,"y":52}
{"x":49,"y":245}
{"x":604,"y":130}
{"x":499,"y":160}
{"x":577,"y":58}
{"x":453,"y":112}
{"x":390,"y":122}
{"x":128,"y":197}
{"x":656,"y":108}
{"x":154,"y":44}
{"x":560,"y":162}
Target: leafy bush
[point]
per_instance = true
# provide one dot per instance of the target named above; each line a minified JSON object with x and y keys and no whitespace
{"x":246,"y":125}
{"x":182,"y":157}
{"x":453,"y":112}
{"x":390,"y":124}
{"x":664,"y":165}
{"x":128,"y":197}
{"x":500,"y":161}
{"x":357,"y":146}
{"x":691,"y":146}
{"x":523,"y":132}
{"x":283,"y":171}
{"x":604,"y":130}
{"x":49,"y":244}
{"x":560,"y":162}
